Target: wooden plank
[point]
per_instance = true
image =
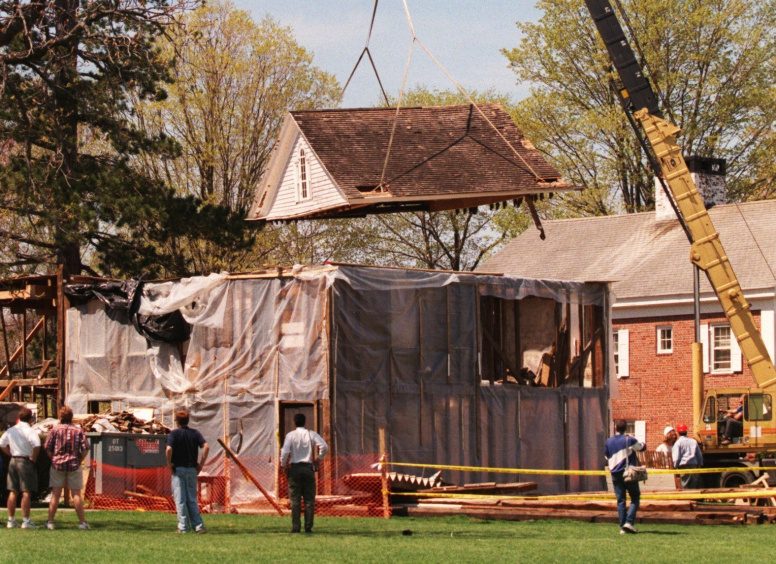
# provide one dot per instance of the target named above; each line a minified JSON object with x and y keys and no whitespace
{"x":23,"y":347}
{"x":522,"y":514}
{"x":30,"y":381}
{"x":62,"y":304}
{"x":250,"y":476}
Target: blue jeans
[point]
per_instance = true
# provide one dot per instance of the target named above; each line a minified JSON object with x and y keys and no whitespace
{"x":184,"y":491}
{"x":620,"y":489}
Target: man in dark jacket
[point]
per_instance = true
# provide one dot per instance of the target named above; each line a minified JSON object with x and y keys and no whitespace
{"x":620,"y":451}
{"x":183,"y":446}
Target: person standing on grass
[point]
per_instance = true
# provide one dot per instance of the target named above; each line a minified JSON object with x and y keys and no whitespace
{"x":687,"y":454}
{"x":183,"y":446}
{"x":66,"y":446}
{"x":620,"y":451}
{"x":22,"y":444}
{"x":298,"y":458}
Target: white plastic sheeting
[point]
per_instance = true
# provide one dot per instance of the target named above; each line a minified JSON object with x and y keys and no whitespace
{"x":403,"y":355}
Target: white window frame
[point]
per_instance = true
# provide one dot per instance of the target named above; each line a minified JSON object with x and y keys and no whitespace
{"x":659,"y":339}
{"x":707,"y":340}
{"x":713,"y":348}
{"x":303,"y":185}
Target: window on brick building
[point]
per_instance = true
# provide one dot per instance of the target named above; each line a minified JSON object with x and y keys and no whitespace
{"x":721,"y":353}
{"x":720,"y":348}
{"x":665,"y":340}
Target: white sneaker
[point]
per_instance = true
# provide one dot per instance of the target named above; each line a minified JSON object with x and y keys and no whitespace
{"x":11,"y":524}
{"x":50,"y":525}
{"x":84,"y":526}
{"x":29,"y":525}
{"x":628,"y":528}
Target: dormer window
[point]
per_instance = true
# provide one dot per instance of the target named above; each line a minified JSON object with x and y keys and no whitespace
{"x":304,"y":182}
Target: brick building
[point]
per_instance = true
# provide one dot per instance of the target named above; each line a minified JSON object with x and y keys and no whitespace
{"x":645,"y":257}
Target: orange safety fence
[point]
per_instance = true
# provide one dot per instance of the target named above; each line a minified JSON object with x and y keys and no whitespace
{"x":346,"y":486}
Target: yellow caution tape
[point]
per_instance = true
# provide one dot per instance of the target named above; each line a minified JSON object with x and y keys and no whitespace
{"x":678,"y":495}
{"x":546,"y":472}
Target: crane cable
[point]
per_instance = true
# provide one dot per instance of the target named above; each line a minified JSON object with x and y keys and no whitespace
{"x":667,"y":107}
{"x":756,"y":242}
{"x":464,"y":92}
{"x":644,"y":62}
{"x":368,"y":53}
{"x":416,"y":40}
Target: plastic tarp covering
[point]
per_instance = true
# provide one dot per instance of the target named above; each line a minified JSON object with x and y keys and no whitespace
{"x":405,"y":347}
{"x":402,"y":354}
{"x":253,"y":342}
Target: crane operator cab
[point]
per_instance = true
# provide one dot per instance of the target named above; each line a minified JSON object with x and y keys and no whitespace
{"x":737,"y":420}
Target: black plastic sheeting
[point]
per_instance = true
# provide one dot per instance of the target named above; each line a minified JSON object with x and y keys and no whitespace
{"x":124,"y":297}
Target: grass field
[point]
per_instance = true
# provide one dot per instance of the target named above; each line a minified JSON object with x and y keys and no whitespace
{"x":150,"y":537}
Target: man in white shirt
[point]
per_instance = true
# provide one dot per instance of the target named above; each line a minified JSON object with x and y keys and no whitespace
{"x":22,"y":444}
{"x":298,"y":458}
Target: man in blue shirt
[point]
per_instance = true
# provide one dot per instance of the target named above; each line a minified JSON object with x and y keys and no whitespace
{"x":687,"y":454}
{"x":183,"y":446}
{"x":619,"y":451}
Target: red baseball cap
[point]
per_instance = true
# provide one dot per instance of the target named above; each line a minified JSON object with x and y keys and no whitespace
{"x":681,"y":428}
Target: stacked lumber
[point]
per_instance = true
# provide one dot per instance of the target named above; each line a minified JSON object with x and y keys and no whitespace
{"x":484,"y":488}
{"x":121,"y":422}
{"x":596,"y":510}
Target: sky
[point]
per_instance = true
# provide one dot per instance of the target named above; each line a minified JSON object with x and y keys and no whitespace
{"x":466,"y":36}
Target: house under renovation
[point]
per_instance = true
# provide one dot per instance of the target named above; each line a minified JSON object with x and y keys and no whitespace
{"x":457,"y":368}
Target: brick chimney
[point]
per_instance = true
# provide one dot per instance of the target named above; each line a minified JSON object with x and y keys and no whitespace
{"x":708,"y":175}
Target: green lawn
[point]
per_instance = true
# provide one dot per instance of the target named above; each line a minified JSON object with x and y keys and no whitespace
{"x":150,"y":537}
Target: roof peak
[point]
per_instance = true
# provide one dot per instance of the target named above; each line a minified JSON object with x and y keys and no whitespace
{"x":401,"y":108}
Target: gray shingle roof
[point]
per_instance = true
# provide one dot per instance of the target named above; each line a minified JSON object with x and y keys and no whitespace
{"x":642,"y":257}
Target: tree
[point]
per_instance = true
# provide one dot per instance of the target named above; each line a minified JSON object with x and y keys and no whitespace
{"x":69,"y":191}
{"x":235,"y":80}
{"x":711,"y":59}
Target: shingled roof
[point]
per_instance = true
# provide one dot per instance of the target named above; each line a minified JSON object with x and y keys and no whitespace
{"x":643,"y":257}
{"x":443,"y":157}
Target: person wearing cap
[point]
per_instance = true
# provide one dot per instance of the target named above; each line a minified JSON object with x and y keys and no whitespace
{"x":733,"y":424}
{"x":620,"y":451}
{"x":687,"y":454}
{"x":669,"y":438}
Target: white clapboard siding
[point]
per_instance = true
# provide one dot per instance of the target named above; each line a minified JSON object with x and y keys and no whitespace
{"x":323,"y":193}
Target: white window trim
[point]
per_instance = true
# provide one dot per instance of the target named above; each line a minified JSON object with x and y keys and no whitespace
{"x":658,"y":340}
{"x":706,"y":348}
{"x":623,"y":353}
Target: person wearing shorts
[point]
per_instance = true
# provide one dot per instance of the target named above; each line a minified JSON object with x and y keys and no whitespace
{"x":66,"y":446}
{"x":22,"y":444}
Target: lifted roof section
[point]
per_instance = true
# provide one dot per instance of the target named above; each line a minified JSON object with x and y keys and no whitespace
{"x":380,"y":160}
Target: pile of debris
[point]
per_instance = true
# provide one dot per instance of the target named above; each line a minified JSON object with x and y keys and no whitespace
{"x":121,"y":422}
